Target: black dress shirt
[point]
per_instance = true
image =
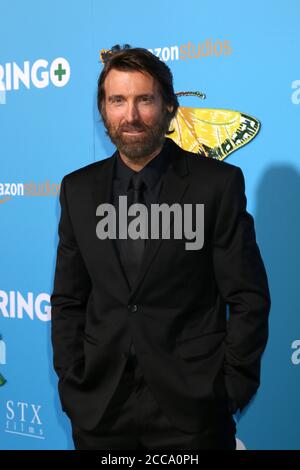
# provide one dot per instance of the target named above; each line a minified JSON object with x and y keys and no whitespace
{"x":152,"y":176}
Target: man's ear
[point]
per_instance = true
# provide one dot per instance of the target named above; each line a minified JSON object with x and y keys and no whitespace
{"x":170,"y":108}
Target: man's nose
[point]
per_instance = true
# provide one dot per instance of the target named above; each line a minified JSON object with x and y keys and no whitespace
{"x":132,"y":113}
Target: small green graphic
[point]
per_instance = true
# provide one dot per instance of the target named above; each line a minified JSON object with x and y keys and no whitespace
{"x":2,"y":380}
{"x":60,"y":72}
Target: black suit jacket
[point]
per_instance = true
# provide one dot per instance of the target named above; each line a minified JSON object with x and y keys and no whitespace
{"x":194,"y":359}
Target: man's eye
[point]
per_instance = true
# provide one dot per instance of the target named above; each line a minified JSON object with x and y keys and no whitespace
{"x":146,"y":99}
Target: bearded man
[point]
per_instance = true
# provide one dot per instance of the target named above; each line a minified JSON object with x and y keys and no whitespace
{"x":156,"y":346}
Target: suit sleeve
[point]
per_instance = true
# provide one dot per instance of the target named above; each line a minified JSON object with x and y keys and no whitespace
{"x":243,"y":284}
{"x":70,"y":294}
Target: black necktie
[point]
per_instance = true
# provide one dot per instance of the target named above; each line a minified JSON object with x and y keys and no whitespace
{"x":134,"y":249}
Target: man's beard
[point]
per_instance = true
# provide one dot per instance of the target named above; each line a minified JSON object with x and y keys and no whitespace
{"x":139,"y":146}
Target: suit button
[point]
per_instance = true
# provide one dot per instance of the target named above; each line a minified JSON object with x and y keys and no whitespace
{"x":132,"y":308}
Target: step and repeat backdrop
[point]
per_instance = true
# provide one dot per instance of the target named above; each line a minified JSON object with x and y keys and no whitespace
{"x":244,"y":57}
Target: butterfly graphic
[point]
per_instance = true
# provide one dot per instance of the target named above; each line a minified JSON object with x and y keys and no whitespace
{"x":213,"y":133}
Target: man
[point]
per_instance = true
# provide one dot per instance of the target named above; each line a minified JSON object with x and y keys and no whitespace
{"x":144,"y":350}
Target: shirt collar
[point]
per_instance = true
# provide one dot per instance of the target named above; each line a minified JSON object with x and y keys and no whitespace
{"x":151,"y":172}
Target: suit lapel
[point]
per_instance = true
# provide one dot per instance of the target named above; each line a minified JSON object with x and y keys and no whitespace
{"x":101,"y":191}
{"x":173,"y":189}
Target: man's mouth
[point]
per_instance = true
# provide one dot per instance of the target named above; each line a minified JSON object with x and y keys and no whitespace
{"x":135,"y":132}
{"x":132,"y":131}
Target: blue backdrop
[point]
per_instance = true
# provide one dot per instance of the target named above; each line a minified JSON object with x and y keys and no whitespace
{"x":49,"y":126}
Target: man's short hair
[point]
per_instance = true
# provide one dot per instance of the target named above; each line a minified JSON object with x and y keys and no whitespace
{"x":142,"y":60}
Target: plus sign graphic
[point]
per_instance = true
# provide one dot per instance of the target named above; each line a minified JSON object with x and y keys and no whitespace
{"x":60,"y":72}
